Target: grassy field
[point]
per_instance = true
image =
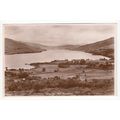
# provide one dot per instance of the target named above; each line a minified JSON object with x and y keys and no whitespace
{"x":49,"y":79}
{"x":72,"y":71}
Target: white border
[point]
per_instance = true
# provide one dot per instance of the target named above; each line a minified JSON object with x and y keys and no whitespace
{"x":76,"y":11}
{"x":116,"y":92}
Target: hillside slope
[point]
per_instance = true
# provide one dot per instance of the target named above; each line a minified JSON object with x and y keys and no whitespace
{"x":104,"y":47}
{"x":104,"y":44}
{"x":17,"y":47}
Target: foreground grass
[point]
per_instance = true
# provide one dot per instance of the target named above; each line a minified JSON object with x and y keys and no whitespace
{"x":59,"y":86}
{"x":59,"y":81}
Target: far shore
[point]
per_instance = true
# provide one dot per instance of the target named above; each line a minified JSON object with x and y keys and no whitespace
{"x":14,"y":53}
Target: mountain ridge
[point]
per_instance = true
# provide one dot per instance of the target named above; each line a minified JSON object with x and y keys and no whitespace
{"x":17,"y":47}
{"x":103,"y":47}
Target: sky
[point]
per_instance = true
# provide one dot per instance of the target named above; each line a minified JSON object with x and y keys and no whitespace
{"x":59,"y":34}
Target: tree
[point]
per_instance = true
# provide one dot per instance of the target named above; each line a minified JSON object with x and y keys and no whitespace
{"x":43,"y":69}
{"x":82,"y":61}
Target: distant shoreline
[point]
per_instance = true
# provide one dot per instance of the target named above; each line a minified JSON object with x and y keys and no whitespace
{"x":23,"y":53}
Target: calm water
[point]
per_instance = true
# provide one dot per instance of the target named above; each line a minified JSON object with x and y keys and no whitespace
{"x":19,"y":60}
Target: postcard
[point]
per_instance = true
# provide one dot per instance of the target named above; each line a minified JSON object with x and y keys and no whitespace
{"x":60,"y":59}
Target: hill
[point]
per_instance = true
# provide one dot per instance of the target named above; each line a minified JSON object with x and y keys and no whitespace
{"x":17,"y":47}
{"x":104,"y":47}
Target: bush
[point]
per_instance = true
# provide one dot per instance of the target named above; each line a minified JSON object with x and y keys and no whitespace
{"x":43,"y":70}
{"x":63,"y":65}
{"x":82,"y":62}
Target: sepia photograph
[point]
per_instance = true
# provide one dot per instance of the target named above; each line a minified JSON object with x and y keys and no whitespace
{"x":59,"y":59}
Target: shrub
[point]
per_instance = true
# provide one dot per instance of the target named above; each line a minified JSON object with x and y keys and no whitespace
{"x":63,"y":65}
{"x":43,"y":69}
{"x":82,"y":62}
